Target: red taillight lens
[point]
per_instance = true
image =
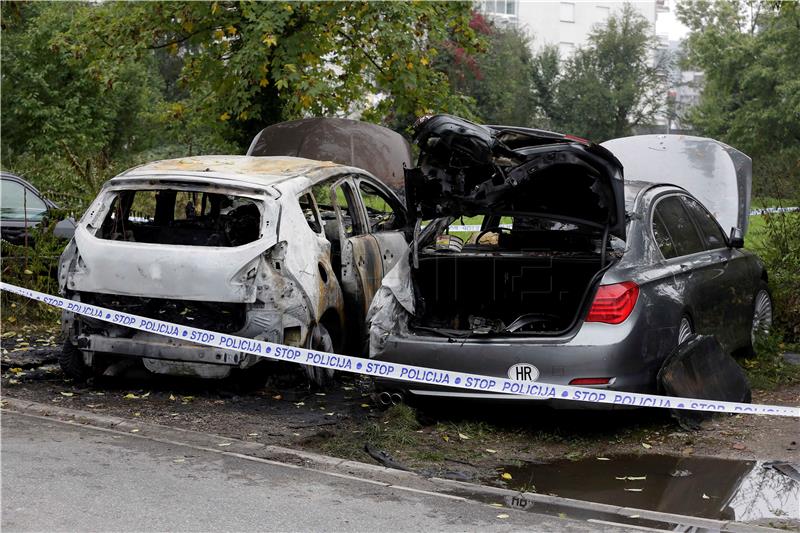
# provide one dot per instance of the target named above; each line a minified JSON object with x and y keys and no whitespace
{"x":613,"y":303}
{"x":590,"y":381}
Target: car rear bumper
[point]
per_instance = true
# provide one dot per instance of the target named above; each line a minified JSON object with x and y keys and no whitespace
{"x":598,"y":350}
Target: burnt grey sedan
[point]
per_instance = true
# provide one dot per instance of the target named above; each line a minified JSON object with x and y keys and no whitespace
{"x":574,"y":275}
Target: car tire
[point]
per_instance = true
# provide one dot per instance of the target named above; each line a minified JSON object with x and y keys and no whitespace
{"x":321,"y":341}
{"x":762,"y":312}
{"x":72,"y":364}
{"x":685,"y":329}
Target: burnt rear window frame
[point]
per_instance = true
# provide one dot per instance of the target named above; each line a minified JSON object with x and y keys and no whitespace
{"x":108,"y":198}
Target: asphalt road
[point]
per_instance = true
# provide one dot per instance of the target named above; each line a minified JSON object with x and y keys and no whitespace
{"x":58,"y":477}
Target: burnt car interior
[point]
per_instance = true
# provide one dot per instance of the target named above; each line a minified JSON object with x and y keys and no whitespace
{"x":549,"y":213}
{"x":192,"y":218}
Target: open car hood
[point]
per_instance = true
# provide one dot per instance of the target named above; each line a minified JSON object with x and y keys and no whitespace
{"x":466,"y":169}
{"x":714,"y":173}
{"x":378,"y":150}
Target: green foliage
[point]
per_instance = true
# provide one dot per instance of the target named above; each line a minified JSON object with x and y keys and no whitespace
{"x":605,"y":89}
{"x":766,"y":368}
{"x":34,"y":267}
{"x":501,"y":80}
{"x":751,"y":97}
{"x":257,"y":63}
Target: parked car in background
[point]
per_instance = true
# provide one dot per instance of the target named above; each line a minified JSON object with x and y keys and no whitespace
{"x":576,"y":276}
{"x":22,"y":207}
{"x":278,"y":248}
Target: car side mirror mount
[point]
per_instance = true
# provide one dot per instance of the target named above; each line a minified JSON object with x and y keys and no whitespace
{"x":736,"y":240}
{"x":65,"y":229}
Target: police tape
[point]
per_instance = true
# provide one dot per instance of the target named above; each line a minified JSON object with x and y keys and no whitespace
{"x":396,"y":371}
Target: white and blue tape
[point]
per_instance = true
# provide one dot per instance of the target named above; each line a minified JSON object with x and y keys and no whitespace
{"x":400,"y":372}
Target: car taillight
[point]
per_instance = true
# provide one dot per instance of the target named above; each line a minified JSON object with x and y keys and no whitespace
{"x":613,"y":303}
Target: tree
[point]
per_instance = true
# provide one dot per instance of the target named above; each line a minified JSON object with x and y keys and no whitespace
{"x":253,"y":64}
{"x":751,"y":98}
{"x":499,"y":80}
{"x":603,"y":90}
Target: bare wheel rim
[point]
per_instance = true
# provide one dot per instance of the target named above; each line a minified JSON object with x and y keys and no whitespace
{"x":762,"y":314}
{"x":684,"y":330}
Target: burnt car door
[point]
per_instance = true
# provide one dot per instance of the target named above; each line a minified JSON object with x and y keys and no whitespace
{"x":734,"y":284}
{"x":700,"y":274}
{"x":355,"y":252}
{"x":386,"y":221}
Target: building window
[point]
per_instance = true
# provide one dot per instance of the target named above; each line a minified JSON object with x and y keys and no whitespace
{"x":567,"y":12}
{"x":565,"y":49}
{"x":500,"y":7}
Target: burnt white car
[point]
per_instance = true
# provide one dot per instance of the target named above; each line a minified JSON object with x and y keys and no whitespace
{"x":574,"y":275}
{"x":272,"y":247}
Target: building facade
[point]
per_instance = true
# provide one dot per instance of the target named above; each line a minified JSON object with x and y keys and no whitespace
{"x":565,"y":24}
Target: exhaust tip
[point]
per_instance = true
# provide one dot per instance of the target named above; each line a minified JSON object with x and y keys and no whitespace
{"x":396,"y":398}
{"x":384,"y":398}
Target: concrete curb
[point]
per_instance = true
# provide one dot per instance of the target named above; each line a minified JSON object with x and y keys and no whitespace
{"x":379,"y":475}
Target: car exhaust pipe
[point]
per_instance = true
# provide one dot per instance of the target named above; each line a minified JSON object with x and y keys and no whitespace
{"x":385,"y":398}
{"x":396,"y":398}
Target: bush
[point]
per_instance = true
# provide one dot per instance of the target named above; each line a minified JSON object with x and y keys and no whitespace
{"x":33,"y":267}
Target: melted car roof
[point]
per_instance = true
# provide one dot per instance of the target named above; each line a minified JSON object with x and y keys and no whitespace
{"x":256,"y":170}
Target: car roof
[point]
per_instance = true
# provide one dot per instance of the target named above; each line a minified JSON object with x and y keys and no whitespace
{"x":254,"y":170}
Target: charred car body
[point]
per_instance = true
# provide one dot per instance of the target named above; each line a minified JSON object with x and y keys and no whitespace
{"x":576,"y":276}
{"x":274,"y":248}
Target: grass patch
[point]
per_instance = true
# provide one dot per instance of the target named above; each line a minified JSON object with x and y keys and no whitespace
{"x":767,"y":369}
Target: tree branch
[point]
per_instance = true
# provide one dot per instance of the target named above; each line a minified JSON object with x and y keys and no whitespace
{"x":353,"y":42}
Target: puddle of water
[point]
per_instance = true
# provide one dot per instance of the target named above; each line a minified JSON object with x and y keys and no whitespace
{"x":721,"y":489}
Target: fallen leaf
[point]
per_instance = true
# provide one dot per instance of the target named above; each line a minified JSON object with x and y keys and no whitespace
{"x":603,"y":459}
{"x":252,"y":434}
{"x":634,"y":490}
{"x":497,"y":505}
{"x":463,"y":437}
{"x":134,"y":431}
{"x":738,"y":446}
{"x":15,"y":370}
{"x":329,"y":414}
{"x":277,"y":397}
{"x":67,"y":394}
{"x":187,"y":398}
{"x":298,"y":404}
{"x":179,"y":460}
{"x":489,"y":450}
{"x":636,"y":478}
{"x":137,"y":414}
{"x":445,"y":438}
{"x":502,"y":515}
{"x":172,"y":397}
{"x":319,"y":393}
{"x":646,"y":446}
{"x":505,"y":475}
{"x":688,"y":451}
{"x":705,"y":497}
{"x":146,"y":394}
{"x":131,"y":396}
{"x":224,"y":444}
{"x":13,"y":381}
{"x":27,"y":272}
{"x":93,"y":405}
{"x":365,"y":405}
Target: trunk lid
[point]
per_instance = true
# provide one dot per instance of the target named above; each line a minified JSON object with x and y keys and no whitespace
{"x":716,"y":174}
{"x":378,"y":150}
{"x":467,"y":169}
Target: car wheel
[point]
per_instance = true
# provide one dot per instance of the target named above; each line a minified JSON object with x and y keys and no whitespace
{"x":685,"y":330}
{"x":762,"y":313}
{"x":320,"y":341}
{"x":71,"y":362}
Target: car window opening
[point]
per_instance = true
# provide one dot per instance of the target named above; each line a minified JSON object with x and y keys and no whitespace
{"x":182,"y":217}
